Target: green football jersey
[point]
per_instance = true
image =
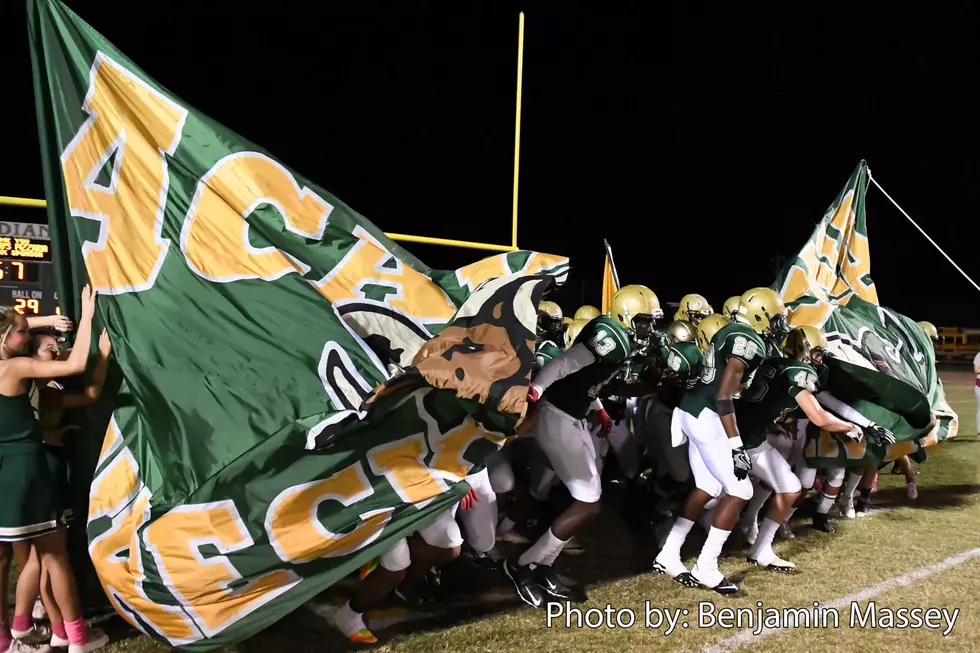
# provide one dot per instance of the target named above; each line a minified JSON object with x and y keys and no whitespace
{"x":732,"y":341}
{"x":610,"y":344}
{"x":772,"y":397}
{"x":684,"y":362}
{"x":543,"y":353}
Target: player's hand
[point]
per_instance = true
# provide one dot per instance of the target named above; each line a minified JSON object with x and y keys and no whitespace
{"x":467,"y":502}
{"x":61,"y":323}
{"x":878,"y":434}
{"x":856,"y":433}
{"x":533,"y":394}
{"x":603,"y":421}
{"x":743,"y":464}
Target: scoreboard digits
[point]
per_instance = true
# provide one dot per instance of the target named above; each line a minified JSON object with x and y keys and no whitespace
{"x":26,"y":276}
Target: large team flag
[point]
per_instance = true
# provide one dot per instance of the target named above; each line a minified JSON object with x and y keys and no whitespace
{"x":298,"y":392}
{"x":883,"y":363}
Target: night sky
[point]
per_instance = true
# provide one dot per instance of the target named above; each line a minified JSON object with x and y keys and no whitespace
{"x":702,"y":144}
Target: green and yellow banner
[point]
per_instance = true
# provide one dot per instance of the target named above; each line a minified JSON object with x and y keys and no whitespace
{"x":884,"y":364}
{"x":297,"y":391}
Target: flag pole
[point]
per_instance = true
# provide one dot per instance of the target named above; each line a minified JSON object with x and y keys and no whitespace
{"x":914,"y":224}
{"x":517,"y":125}
{"x":612,"y":263}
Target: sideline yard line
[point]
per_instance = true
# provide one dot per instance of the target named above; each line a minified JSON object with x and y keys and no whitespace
{"x":747,"y":636}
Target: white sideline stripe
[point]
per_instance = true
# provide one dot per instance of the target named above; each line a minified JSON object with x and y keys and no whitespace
{"x":746,"y":636}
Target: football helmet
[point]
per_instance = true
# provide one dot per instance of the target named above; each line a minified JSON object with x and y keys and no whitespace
{"x":707,"y":329}
{"x":693,"y":308}
{"x":681,"y":331}
{"x":587,"y":312}
{"x":764,"y":311}
{"x":571,"y":333}
{"x":807,"y":344}
{"x":930,"y":330}
{"x":549,"y":320}
{"x":730,"y":308}
{"x":637,"y":309}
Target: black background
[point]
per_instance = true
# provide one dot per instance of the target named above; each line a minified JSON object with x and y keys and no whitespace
{"x":703,"y":143}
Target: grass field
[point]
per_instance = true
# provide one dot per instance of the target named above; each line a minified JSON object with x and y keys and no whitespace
{"x":874,"y":555}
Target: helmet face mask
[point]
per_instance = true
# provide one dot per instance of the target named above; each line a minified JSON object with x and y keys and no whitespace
{"x":637,"y":310}
{"x":550,"y":320}
{"x":642,"y":330}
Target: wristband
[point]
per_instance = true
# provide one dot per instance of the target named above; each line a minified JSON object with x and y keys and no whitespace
{"x":725,"y":407}
{"x":736,"y":442}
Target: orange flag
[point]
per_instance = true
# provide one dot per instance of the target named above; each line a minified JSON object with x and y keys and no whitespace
{"x":610,"y":280}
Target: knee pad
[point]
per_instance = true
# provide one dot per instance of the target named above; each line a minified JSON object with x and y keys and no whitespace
{"x":397,"y":557}
{"x":807,"y":476}
{"x":444,"y":533}
{"x":501,"y":475}
{"x":835,"y":477}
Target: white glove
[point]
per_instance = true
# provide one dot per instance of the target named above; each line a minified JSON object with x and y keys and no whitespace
{"x":857,"y":434}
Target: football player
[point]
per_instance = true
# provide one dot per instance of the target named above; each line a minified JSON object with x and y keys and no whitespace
{"x":549,"y":332}
{"x":706,"y":416}
{"x":693,"y":308}
{"x":730,"y":308}
{"x":780,"y":386}
{"x":400,"y":569}
{"x":587,"y":313}
{"x":566,"y":391}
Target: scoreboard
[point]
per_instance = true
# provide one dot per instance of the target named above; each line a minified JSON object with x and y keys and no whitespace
{"x":26,"y":274}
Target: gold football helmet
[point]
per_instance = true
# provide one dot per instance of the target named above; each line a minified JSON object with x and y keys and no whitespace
{"x":707,"y":329}
{"x":587,"y":312}
{"x":637,"y":309}
{"x":764,"y":311}
{"x":693,"y":308}
{"x":567,"y":320}
{"x":549,"y":320}
{"x":807,"y":344}
{"x":930,"y":330}
{"x":730,"y":308}
{"x":681,"y":331}
{"x":571,"y":333}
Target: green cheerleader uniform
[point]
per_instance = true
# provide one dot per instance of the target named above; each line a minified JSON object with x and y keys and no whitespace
{"x":28,"y":508}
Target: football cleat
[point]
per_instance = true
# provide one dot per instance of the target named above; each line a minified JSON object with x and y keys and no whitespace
{"x":714,"y":580}
{"x":681,"y":574}
{"x":524,"y":580}
{"x":822,"y":523}
{"x":774,"y":562}
{"x":549,"y":581}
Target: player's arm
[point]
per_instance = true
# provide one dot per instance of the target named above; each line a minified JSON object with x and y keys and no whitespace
{"x":576,"y":358}
{"x":731,"y":381}
{"x":820,"y":417}
{"x":878,"y":433}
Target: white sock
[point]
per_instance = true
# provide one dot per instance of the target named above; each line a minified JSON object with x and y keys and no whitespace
{"x":789,"y":514}
{"x":506,"y":525}
{"x":552,"y":556}
{"x":759,"y":497}
{"x":823,"y":506}
{"x":675,"y":540}
{"x":539,"y":551}
{"x":850,"y":485}
{"x":348,"y":621}
{"x":708,"y":560}
{"x":763,"y":544}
